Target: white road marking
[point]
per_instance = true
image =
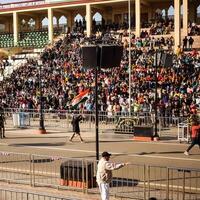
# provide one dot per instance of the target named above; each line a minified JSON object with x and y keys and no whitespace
{"x":4,"y":144}
{"x":114,"y":153}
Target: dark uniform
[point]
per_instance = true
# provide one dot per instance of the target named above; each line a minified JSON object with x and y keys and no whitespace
{"x":76,"y":127}
{"x":2,"y":120}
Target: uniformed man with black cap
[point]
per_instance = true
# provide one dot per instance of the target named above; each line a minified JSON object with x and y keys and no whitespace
{"x":2,"y":121}
{"x":104,"y":174}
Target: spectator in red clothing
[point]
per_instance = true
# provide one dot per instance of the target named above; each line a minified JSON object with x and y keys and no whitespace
{"x":195,"y":136}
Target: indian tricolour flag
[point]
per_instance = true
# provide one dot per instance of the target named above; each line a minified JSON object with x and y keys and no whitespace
{"x":82,"y":97}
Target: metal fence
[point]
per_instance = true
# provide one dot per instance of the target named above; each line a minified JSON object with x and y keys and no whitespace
{"x":135,"y":181}
{"x":13,"y":194}
{"x":117,"y":122}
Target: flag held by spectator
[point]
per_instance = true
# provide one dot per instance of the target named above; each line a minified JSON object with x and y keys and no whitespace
{"x":82,"y":97}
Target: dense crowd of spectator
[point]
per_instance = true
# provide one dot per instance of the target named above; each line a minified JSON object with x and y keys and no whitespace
{"x":3,"y":65}
{"x":150,"y":42}
{"x":156,"y":27}
{"x":195,"y":29}
{"x":161,"y":28}
{"x":63,"y":77}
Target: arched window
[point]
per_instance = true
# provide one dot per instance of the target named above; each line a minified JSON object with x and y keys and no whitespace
{"x":181,"y":9}
{"x":198,"y":11}
{"x":63,"y":20}
{"x":98,"y":18}
{"x":45,"y":22}
{"x":2,"y":27}
{"x":164,"y":13}
{"x":31,"y":23}
{"x":54,"y":21}
{"x":23,"y":21}
{"x":23,"y":24}
{"x":78,"y":18}
{"x":171,"y":12}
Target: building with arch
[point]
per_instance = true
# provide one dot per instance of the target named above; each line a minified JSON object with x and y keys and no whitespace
{"x":19,"y":16}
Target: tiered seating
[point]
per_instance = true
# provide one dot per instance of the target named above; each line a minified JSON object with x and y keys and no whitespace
{"x":37,"y":39}
{"x":6,"y":40}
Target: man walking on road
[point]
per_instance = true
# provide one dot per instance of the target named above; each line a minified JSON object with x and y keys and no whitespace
{"x":104,"y":174}
{"x":76,"y":127}
{"x":2,"y":120}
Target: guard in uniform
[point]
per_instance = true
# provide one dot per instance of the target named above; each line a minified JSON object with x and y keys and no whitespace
{"x":2,"y":120}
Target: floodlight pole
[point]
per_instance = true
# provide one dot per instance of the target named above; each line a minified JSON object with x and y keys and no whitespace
{"x":96,"y":114}
{"x":42,"y":129}
{"x":156,"y":136}
{"x":129,"y":22}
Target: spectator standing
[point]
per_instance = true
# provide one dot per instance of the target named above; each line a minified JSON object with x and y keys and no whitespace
{"x":185,"y":41}
{"x":191,"y":41}
{"x":76,"y":127}
{"x":104,"y":174}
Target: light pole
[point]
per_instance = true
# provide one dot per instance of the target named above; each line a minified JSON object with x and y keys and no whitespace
{"x":96,"y":113}
{"x":129,"y":60}
{"x":42,"y":129}
{"x":157,"y":58}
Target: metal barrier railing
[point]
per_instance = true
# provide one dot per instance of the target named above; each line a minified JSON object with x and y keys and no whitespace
{"x":14,"y":194}
{"x":183,"y":132}
{"x":117,"y":123}
{"x":135,"y":181}
{"x":173,"y":183}
{"x":15,"y":167}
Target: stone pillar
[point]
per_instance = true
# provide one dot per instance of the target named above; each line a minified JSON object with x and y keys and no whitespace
{"x":185,"y":17}
{"x":15,"y":28}
{"x":88,"y":19}
{"x":50,"y":24}
{"x":137,"y":18}
{"x":177,"y":23}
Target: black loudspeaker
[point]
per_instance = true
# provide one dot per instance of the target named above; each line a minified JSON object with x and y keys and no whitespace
{"x":90,"y":56}
{"x":110,"y":56}
{"x":166,"y":60}
{"x":105,"y":56}
{"x":75,"y":170}
{"x":143,"y":131}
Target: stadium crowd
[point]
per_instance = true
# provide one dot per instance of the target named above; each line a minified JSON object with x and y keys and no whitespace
{"x":63,"y":77}
{"x":194,"y":29}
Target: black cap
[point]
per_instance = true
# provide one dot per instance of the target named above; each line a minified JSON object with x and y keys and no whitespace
{"x":106,"y":154}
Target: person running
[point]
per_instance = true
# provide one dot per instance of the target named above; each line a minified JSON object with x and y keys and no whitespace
{"x":195,"y":136}
{"x":76,"y":127}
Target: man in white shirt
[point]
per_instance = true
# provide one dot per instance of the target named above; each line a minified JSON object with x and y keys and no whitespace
{"x":104,"y":174}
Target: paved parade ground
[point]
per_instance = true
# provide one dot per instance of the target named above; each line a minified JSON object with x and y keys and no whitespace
{"x":167,"y":152}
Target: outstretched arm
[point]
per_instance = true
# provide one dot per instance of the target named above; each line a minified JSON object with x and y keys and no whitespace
{"x":114,"y":166}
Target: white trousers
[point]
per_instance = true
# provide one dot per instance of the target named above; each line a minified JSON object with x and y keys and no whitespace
{"x":104,"y":190}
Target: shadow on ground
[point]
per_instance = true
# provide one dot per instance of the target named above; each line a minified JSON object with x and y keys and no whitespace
{"x":39,"y":144}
